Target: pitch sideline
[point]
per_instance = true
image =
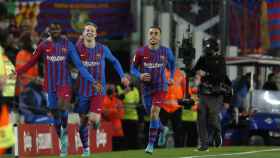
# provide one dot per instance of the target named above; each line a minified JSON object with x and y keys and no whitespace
{"x":231,"y":154}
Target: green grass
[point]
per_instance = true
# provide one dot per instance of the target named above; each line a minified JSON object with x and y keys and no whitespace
{"x":187,"y":152}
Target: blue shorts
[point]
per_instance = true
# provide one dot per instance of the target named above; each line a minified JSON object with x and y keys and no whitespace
{"x":156,"y":99}
{"x":83,"y":105}
{"x":89,"y":104}
{"x":52,"y":100}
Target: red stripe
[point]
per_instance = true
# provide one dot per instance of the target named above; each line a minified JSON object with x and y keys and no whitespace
{"x":51,"y":69}
{"x":46,"y":76}
{"x":82,"y":85}
{"x":275,"y":37}
{"x":274,"y":27}
{"x":274,"y":16}
{"x":273,"y":4}
{"x":55,"y":72}
{"x":61,"y":72}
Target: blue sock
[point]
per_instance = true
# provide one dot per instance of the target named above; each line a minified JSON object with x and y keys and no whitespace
{"x":153,"y":131}
{"x":83,"y":131}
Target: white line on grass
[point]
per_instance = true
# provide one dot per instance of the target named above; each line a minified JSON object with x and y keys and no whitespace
{"x":230,"y":154}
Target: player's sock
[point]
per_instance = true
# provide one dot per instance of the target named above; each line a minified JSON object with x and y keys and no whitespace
{"x":64,"y":119}
{"x":64,"y":133}
{"x":161,"y":126}
{"x":83,"y":130}
{"x":57,"y":126}
{"x":153,"y":131}
{"x":64,"y":142}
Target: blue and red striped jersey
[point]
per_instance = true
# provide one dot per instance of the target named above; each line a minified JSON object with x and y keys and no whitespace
{"x":153,"y":62}
{"x":56,"y":58}
{"x":94,"y":60}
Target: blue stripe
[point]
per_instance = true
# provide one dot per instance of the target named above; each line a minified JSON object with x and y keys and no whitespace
{"x":275,"y":44}
{"x":273,"y":10}
{"x":274,"y":22}
{"x":52,"y":78}
{"x":49,"y":76}
{"x":59,"y":81}
{"x":274,"y":32}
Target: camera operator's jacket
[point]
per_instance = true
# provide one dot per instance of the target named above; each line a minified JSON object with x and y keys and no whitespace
{"x":175,"y":92}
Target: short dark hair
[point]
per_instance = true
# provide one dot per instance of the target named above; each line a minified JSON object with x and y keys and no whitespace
{"x":91,"y":24}
{"x":156,"y":27}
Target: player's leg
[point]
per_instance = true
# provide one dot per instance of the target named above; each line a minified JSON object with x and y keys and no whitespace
{"x":56,"y":114}
{"x":155,"y":124}
{"x":147,"y":100}
{"x":95,"y":110}
{"x":52,"y":105}
{"x":83,"y":109}
{"x":64,"y":94}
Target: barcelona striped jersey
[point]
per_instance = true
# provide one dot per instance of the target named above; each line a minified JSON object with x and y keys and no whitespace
{"x":56,"y":59}
{"x":94,"y":60}
{"x":154,"y":62}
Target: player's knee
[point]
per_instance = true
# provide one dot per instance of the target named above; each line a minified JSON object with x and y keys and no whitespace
{"x":94,"y":117}
{"x":83,"y":119}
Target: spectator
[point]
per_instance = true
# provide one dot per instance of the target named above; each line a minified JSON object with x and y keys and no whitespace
{"x":131,"y":99}
{"x":23,"y":56}
{"x":113,"y":111}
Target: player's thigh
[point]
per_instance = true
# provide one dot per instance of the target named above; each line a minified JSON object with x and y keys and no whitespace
{"x":52,"y":100}
{"x":83,"y":105}
{"x":147,"y":102}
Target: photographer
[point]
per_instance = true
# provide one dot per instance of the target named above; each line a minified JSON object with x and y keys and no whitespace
{"x":212,"y":81}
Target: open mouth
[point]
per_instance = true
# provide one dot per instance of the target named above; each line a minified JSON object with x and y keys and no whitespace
{"x":89,"y":35}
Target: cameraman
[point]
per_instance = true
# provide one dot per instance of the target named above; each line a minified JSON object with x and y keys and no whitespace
{"x":211,"y":77}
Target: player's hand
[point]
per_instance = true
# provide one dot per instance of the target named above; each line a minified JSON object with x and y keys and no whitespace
{"x":125,"y":81}
{"x":170,"y":81}
{"x":97,"y":87}
{"x":146,"y":77}
{"x":226,"y":105}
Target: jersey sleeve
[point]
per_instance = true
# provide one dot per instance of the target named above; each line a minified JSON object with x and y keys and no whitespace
{"x":108,"y":55}
{"x":36,"y":55}
{"x":171,"y":62}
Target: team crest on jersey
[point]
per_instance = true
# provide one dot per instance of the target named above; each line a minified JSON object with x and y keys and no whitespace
{"x":49,"y":50}
{"x":64,"y":50}
{"x":83,"y":56}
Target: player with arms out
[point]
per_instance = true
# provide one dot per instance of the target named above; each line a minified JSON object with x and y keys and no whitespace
{"x":93,"y":55}
{"x":57,"y":52}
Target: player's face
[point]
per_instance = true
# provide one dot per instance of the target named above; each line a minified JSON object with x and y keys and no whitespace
{"x":154,"y":36}
{"x":55,"y":30}
{"x":89,"y":32}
